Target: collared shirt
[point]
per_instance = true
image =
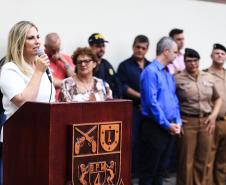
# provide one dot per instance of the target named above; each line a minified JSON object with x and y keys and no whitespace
{"x":196,"y":95}
{"x":129,"y":73}
{"x":158,"y":95}
{"x":220,"y":83}
{"x":58,"y":69}
{"x":177,"y":64}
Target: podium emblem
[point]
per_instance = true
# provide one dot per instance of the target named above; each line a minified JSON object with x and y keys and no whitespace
{"x":96,"y":153}
{"x":109,"y":136}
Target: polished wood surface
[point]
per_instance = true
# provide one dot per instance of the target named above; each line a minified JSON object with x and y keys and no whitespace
{"x":37,"y":146}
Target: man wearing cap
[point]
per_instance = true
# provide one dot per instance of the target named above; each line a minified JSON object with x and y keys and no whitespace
{"x":178,"y":64}
{"x":199,"y":105}
{"x":104,"y":69}
{"x":218,"y":154}
{"x":129,"y":72}
{"x":161,"y":116}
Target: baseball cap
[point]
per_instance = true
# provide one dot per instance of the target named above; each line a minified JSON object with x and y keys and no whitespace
{"x":96,"y":38}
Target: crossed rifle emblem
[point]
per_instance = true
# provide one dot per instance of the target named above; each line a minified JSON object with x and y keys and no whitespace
{"x":85,"y":137}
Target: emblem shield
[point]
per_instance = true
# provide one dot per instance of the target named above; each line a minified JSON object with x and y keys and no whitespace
{"x":109,"y":136}
{"x":96,"y":153}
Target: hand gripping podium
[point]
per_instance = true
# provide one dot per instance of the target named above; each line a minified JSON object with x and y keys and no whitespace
{"x":69,"y":143}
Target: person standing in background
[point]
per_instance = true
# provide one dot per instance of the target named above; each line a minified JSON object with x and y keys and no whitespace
{"x":104,"y":69}
{"x":199,"y":104}
{"x":178,"y":64}
{"x":217,"y":165}
{"x":61,"y":65}
{"x":161,"y":114}
{"x":129,"y":72}
{"x":2,"y":120}
{"x":83,"y":86}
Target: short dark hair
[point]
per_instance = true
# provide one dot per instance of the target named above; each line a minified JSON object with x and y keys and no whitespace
{"x":175,"y":31}
{"x":140,"y":39}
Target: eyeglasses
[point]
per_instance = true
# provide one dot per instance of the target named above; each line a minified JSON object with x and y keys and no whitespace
{"x":79,"y":62}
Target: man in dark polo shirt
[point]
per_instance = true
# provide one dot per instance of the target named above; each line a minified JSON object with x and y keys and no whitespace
{"x":104,"y":70}
{"x":129,"y":74}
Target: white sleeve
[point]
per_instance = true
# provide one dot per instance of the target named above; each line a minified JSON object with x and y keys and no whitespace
{"x":12,"y":81}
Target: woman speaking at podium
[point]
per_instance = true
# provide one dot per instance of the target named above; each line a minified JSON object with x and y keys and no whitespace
{"x":83,"y":86}
{"x":23,"y":77}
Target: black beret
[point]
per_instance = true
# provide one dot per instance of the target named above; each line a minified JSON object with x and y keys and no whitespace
{"x":219,"y":46}
{"x":191,"y":53}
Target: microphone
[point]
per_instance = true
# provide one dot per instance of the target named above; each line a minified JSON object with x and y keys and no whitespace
{"x":41,"y":52}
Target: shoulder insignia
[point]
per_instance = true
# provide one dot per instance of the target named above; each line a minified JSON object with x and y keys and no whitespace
{"x":110,"y":71}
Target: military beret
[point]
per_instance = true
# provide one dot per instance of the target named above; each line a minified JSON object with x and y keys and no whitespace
{"x":219,"y":46}
{"x":191,"y":53}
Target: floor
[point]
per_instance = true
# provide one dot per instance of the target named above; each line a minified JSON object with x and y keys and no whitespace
{"x":169,"y":181}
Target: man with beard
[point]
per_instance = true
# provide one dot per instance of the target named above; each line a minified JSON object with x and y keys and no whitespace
{"x":104,"y":69}
{"x":129,"y":72}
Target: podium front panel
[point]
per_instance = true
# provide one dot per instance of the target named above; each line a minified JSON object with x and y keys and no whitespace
{"x":69,"y":143}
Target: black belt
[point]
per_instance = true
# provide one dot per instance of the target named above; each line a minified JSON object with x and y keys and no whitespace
{"x":200,"y":115}
{"x":221,"y":118}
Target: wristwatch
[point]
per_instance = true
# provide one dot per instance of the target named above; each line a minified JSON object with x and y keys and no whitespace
{"x":66,"y":66}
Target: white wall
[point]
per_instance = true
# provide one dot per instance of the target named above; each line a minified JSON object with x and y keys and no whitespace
{"x":119,"y":21}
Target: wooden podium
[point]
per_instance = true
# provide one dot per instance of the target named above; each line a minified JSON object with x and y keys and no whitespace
{"x":69,"y":143}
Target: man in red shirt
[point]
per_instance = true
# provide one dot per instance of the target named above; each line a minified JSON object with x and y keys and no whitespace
{"x":61,"y":65}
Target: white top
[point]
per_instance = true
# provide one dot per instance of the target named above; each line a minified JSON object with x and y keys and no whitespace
{"x":13,"y":82}
{"x":70,"y":91}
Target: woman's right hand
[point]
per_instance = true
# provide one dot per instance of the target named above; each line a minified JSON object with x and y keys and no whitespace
{"x":42,"y":63}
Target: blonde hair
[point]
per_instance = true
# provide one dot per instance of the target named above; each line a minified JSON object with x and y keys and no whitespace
{"x":16,"y":41}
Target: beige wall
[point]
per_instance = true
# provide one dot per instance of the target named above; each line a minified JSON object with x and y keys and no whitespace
{"x":119,"y":21}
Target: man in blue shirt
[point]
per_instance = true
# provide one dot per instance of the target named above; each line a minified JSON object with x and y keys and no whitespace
{"x":129,"y":72}
{"x":160,"y":110}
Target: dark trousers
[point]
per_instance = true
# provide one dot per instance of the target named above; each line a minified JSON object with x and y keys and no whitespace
{"x":136,"y":129}
{"x":156,"y":144}
{"x":2,"y":120}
